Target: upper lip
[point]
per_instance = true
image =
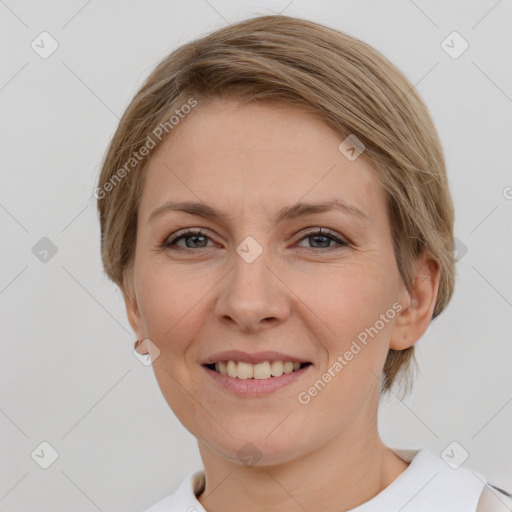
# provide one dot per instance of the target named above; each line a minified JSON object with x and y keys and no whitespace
{"x":254,"y":357}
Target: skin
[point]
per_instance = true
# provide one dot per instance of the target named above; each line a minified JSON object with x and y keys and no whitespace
{"x":304,"y":295}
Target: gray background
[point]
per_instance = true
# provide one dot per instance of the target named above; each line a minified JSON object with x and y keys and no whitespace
{"x":68,"y":374}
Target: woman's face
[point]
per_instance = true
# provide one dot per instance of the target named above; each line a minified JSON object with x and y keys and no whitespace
{"x":258,"y":279}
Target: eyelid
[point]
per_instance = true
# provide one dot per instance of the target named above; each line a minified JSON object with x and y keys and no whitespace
{"x":187,"y":232}
{"x":340,"y":240}
{"x":324,"y":231}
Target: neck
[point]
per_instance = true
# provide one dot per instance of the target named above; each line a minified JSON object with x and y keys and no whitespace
{"x":339,"y":475}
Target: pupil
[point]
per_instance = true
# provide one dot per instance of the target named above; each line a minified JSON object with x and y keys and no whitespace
{"x":194,"y":238}
{"x":326,"y":239}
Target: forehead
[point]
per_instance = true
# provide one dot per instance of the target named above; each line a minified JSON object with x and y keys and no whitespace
{"x":256,"y":156}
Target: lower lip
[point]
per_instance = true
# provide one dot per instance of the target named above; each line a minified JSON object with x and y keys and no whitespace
{"x":253,"y":387}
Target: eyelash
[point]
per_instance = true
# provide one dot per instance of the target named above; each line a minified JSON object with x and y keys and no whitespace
{"x":200,"y":232}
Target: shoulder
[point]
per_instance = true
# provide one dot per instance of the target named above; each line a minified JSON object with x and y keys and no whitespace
{"x":494,"y":499}
{"x":440,"y":484}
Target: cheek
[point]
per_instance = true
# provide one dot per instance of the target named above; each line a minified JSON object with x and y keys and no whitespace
{"x":355,"y":352}
{"x":170,"y":307}
{"x":358,"y":308}
{"x":169,"y":303}
{"x":352,"y":297}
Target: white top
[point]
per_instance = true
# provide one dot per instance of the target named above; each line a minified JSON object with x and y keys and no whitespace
{"x":427,"y":484}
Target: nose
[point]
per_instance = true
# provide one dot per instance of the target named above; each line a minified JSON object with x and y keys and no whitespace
{"x":252,"y":296}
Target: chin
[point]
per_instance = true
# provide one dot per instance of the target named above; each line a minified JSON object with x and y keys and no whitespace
{"x":257,"y":450}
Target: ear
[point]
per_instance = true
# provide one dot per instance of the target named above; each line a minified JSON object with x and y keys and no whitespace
{"x":418,"y":304}
{"x":135,"y":319}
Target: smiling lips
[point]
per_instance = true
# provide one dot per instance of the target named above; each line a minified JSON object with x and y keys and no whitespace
{"x":262,"y":382}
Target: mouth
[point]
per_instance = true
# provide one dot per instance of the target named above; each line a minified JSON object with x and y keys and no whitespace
{"x":260,"y":379}
{"x":259,"y":371}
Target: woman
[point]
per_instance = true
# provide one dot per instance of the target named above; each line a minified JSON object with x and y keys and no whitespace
{"x":275,"y":209}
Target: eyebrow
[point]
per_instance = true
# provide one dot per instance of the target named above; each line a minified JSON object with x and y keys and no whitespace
{"x":285,"y":213}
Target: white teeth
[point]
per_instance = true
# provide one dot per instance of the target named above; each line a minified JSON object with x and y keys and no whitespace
{"x":263,"y":370}
{"x":287,"y":367}
{"x":232,"y":369}
{"x":222,"y":367}
{"x":245,"y":370}
{"x":276,"y":368}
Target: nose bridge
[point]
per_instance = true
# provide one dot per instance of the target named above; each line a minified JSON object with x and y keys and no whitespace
{"x":251,"y":272}
{"x":251,"y":292}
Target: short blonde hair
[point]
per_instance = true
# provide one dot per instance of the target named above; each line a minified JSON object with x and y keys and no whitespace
{"x":341,"y":79}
